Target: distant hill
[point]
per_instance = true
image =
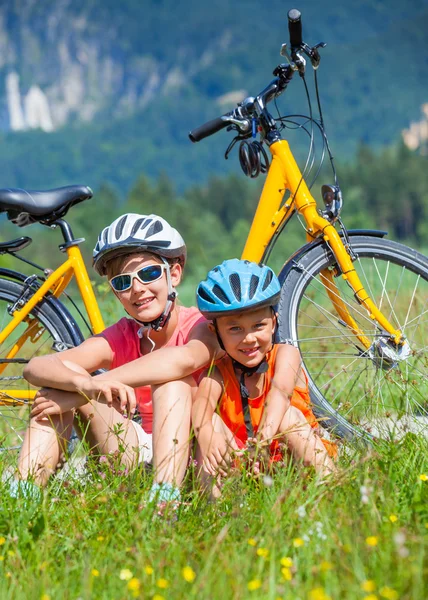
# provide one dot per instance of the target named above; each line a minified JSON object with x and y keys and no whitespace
{"x":97,"y":90}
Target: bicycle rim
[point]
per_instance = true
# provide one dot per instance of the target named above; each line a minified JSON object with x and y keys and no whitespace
{"x":48,"y":333}
{"x":376,"y":392}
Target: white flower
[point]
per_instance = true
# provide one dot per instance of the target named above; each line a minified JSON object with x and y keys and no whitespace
{"x":268,"y":481}
{"x":301,"y":512}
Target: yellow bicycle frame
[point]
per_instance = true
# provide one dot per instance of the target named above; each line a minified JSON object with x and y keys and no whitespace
{"x":284,"y":174}
{"x":55,"y":284}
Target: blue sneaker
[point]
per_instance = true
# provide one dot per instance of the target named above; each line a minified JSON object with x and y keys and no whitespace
{"x":164,"y":492}
{"x":20,"y":488}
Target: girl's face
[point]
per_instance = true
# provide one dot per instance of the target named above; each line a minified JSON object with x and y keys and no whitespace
{"x":247,"y":336}
{"x":145,"y":301}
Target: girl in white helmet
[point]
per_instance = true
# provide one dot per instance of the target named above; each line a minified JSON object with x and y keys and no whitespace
{"x":143,"y":258}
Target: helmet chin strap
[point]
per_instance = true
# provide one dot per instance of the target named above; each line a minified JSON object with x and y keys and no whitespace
{"x":160,"y":322}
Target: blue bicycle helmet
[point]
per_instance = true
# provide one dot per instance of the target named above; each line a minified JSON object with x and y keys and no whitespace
{"x":237,"y":285}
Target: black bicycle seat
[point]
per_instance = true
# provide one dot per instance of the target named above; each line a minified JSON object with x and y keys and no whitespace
{"x":28,"y":206}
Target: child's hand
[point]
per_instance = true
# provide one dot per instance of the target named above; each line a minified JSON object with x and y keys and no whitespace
{"x":216,"y":453}
{"x":49,"y":402}
{"x":109,"y":391}
{"x":256,"y":456}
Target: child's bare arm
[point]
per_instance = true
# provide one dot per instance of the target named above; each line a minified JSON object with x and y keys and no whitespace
{"x":169,"y":363}
{"x":287,"y":373}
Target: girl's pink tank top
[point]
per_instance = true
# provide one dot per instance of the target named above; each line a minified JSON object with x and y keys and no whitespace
{"x":125,"y":344}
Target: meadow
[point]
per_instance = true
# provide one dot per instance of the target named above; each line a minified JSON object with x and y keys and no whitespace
{"x":361,"y":536}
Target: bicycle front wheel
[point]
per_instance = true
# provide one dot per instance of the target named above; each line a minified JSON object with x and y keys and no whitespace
{"x":44,"y":331}
{"x":379,"y":391}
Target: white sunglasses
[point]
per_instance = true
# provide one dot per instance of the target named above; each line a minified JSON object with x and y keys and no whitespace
{"x":145,"y":275}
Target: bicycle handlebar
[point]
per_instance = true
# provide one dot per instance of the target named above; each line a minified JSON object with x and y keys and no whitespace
{"x":295,"y":28}
{"x":207,"y":129}
{"x":239,"y":118}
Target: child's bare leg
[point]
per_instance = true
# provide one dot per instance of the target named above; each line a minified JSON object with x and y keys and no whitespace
{"x":108,"y":432}
{"x":211,"y":484}
{"x":303,"y":443}
{"x":44,"y":445}
{"x":172,"y":405}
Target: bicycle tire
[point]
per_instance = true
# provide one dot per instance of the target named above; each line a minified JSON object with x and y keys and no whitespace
{"x":54,"y":333}
{"x":358,"y":394}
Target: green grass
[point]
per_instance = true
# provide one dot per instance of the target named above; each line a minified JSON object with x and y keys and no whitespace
{"x":79,"y":540}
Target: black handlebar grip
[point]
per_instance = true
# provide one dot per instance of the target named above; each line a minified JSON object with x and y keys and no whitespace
{"x":295,"y":27}
{"x":207,"y":129}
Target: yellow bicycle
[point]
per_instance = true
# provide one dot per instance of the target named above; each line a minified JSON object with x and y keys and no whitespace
{"x":353,"y":302}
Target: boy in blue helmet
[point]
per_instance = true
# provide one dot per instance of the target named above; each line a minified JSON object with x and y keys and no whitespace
{"x":258,"y":388}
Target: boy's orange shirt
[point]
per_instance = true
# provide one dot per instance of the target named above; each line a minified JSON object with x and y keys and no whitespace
{"x":230,"y":405}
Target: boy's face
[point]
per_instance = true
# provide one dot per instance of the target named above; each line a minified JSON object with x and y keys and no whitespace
{"x":247,"y":336}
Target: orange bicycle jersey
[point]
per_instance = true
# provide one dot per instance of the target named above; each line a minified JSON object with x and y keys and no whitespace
{"x":230,"y":405}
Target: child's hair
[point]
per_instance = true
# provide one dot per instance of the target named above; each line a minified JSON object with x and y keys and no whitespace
{"x":235,"y":286}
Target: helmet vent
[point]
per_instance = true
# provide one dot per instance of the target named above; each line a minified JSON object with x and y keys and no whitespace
{"x":268,"y":279}
{"x":254,"y":282}
{"x":220,"y":294}
{"x":235,"y":284}
{"x":105,"y":235}
{"x":120,"y":226}
{"x":138,"y":223}
{"x":203,"y":294}
{"x":154,"y":228}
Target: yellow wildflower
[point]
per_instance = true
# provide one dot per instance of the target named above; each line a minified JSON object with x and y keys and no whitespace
{"x":372,"y":540}
{"x":100,"y":538}
{"x":134,"y":584}
{"x":188,"y":574}
{"x":2,"y":540}
{"x":370,"y":597}
{"x":252,"y":542}
{"x":389,"y":593}
{"x":158,"y":597}
{"x":297,"y":542}
{"x":264,"y":552}
{"x":148,"y":570}
{"x":11,"y":553}
{"x":393,"y":518}
{"x":326,"y":565}
{"x":125,"y":575}
{"x":254,"y":584}
{"x":318,"y":594}
{"x":162,"y":583}
{"x":423,"y":477}
{"x":1,"y":558}
{"x":286,"y":573}
{"x":286,"y":562}
{"x":368,"y":585}
{"x":95,"y":573}
{"x":45,"y":597}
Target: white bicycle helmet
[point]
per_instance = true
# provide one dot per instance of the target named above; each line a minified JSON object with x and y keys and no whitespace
{"x":138,"y":233}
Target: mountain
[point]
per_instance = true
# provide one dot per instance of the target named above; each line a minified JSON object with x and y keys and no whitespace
{"x":96,"y":90}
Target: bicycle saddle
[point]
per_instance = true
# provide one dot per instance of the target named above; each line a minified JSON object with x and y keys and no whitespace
{"x":24,"y":207}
